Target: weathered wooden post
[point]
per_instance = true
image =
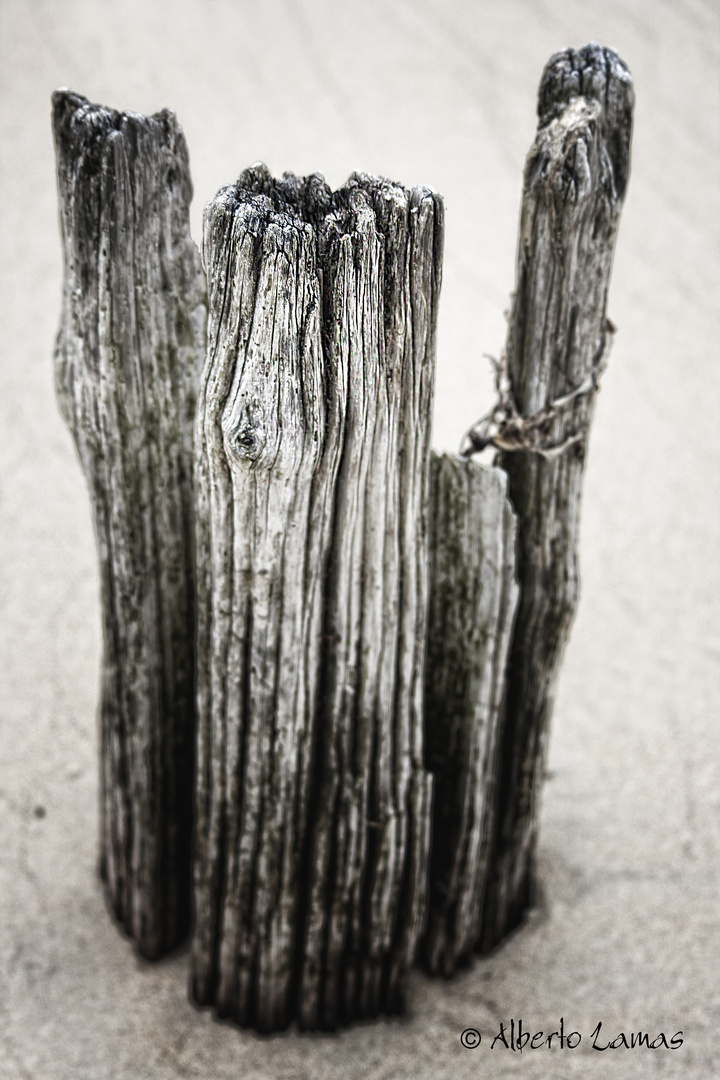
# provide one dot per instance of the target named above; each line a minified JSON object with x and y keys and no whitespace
{"x":312,"y":444}
{"x":485,"y":724}
{"x":368,"y":628}
{"x":575,"y":181}
{"x":473,"y":598}
{"x":127,"y":361}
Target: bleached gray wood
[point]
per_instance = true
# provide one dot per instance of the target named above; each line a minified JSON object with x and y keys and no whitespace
{"x":575,"y":180}
{"x":473,"y":598}
{"x":262,"y":432}
{"x":312,"y":446}
{"x":127,"y":359}
{"x":378,"y":898}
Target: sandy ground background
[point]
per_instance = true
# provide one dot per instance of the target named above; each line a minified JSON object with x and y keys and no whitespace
{"x":426,"y":91}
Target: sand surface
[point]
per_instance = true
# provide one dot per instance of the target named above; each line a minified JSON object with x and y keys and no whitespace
{"x":441,"y":93}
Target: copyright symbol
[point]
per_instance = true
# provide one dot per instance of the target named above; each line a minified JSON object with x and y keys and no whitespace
{"x":470,"y":1038}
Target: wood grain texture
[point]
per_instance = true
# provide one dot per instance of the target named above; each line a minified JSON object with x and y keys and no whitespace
{"x":575,"y":180}
{"x":312,"y":447}
{"x":127,"y":360}
{"x":473,"y":599}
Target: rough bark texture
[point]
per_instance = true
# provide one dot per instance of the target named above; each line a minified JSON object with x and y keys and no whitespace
{"x":575,"y":180}
{"x":128,"y":353}
{"x":312,"y":445}
{"x":473,"y":597}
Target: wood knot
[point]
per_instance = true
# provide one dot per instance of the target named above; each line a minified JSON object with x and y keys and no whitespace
{"x":245,"y":442}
